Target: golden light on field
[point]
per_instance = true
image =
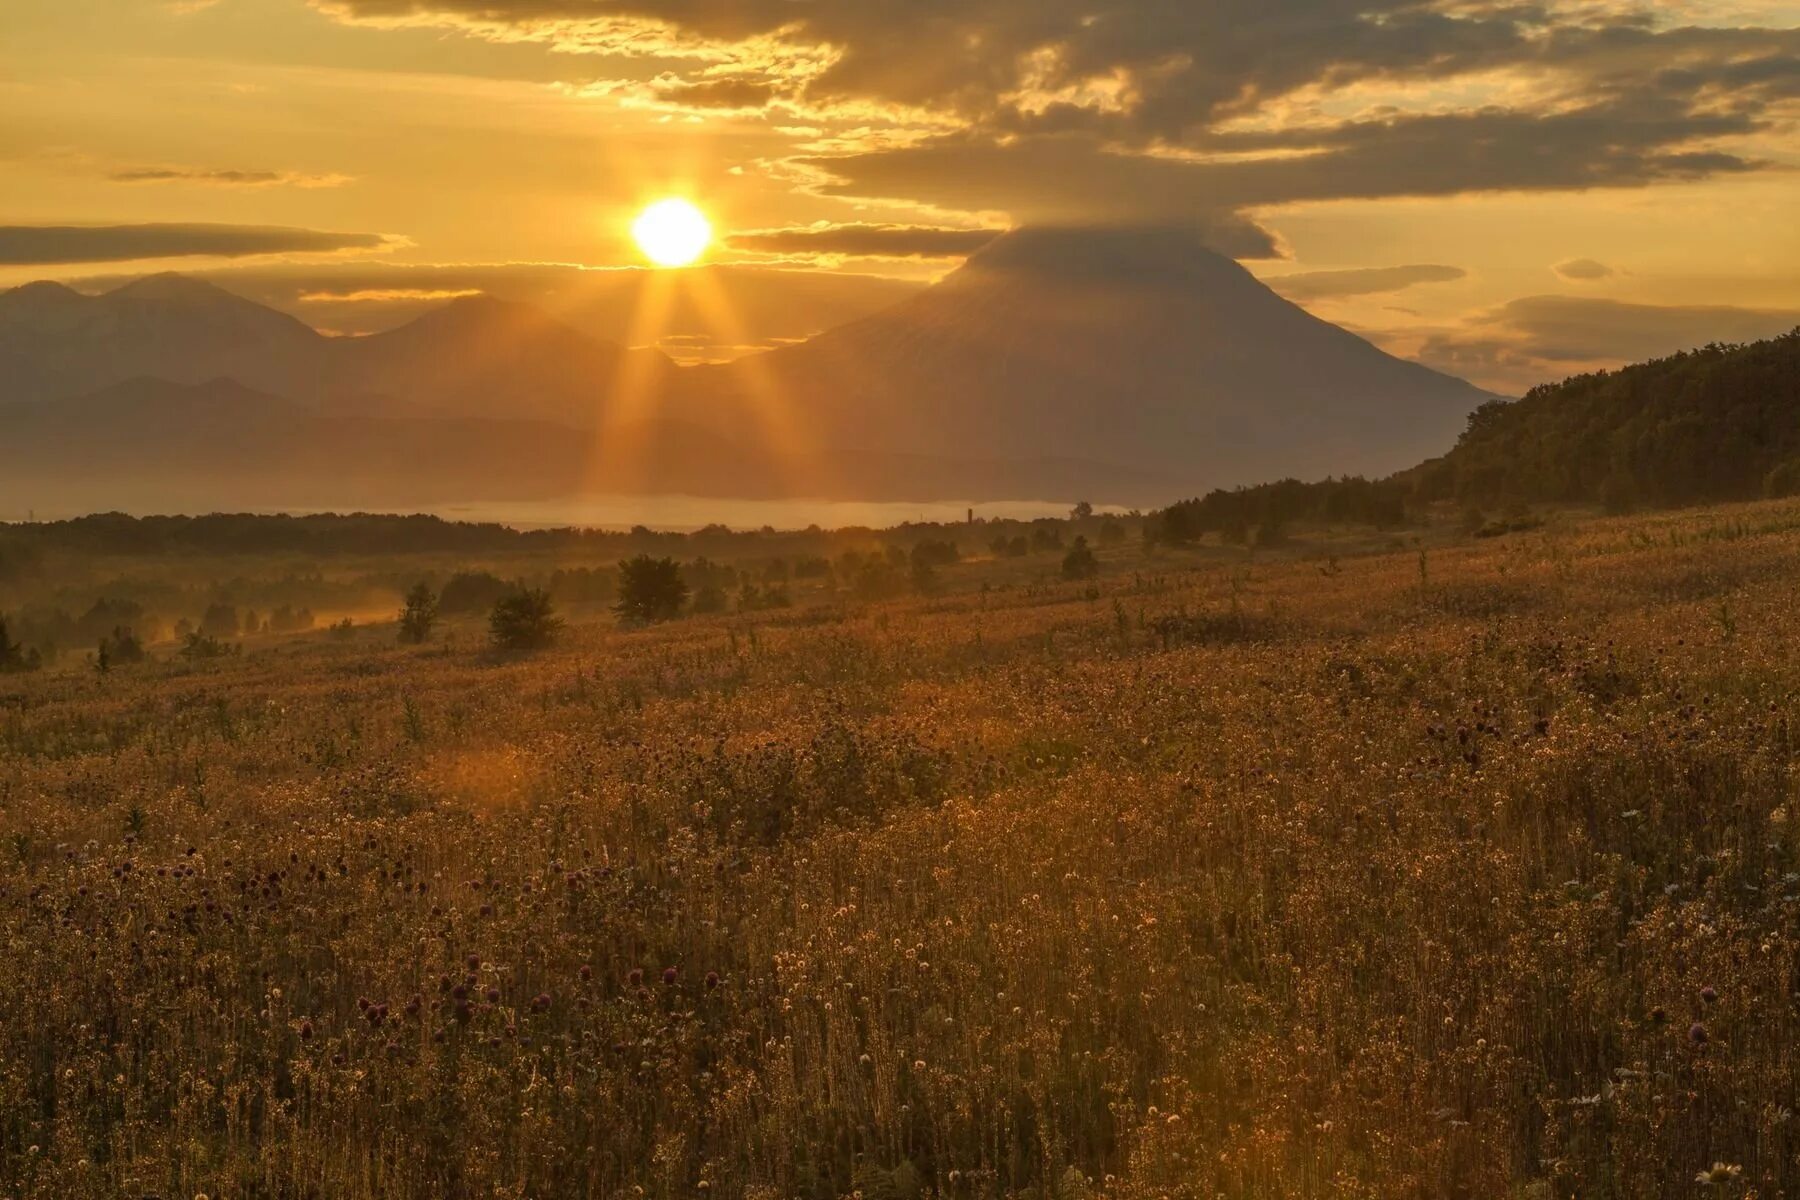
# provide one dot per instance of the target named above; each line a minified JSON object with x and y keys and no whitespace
{"x":672,"y":233}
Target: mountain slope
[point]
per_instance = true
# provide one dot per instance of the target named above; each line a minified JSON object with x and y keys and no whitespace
{"x":1127,"y":346}
{"x":57,"y":342}
{"x":476,"y":356}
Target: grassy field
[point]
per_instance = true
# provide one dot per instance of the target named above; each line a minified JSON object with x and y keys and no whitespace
{"x":1468,"y":870}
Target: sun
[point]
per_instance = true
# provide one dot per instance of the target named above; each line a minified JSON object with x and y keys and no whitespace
{"x":672,"y":233}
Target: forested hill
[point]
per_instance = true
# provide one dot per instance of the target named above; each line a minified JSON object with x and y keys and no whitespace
{"x":1715,"y":424}
{"x":1718,"y":423}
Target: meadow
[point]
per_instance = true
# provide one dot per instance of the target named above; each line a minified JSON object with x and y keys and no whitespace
{"x":1451,"y":867}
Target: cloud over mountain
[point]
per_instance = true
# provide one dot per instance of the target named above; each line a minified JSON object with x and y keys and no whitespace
{"x":866,"y":241}
{"x":31,"y":245}
{"x":1361,"y":281}
{"x":1539,"y":338}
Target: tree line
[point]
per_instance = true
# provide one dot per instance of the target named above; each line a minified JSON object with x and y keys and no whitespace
{"x":1715,"y":424}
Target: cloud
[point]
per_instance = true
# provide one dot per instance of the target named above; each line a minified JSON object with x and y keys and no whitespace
{"x":227,"y":178}
{"x":34,"y":245}
{"x":1078,"y":175}
{"x":866,"y":241}
{"x":1363,"y":281}
{"x":1582,"y":270}
{"x":388,"y":296}
{"x":1536,"y":339}
{"x":727,"y":94}
{"x":1159,"y":111}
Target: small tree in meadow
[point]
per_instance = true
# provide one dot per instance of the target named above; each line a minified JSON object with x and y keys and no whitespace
{"x":419,"y":615}
{"x":650,"y":589}
{"x":1079,"y":562}
{"x":13,"y":657}
{"x":524,"y":620}
{"x":122,"y":647}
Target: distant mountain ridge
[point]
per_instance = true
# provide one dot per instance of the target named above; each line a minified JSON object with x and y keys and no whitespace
{"x":1123,"y":365}
{"x":476,"y":356}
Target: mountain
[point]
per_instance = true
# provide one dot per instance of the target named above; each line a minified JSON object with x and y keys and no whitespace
{"x":475,"y":357}
{"x":57,"y":342}
{"x":1137,"y":347}
{"x":1714,"y":424}
{"x":478,"y":356}
{"x":1115,"y":365}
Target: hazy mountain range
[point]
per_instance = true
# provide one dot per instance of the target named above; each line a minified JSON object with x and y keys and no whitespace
{"x":1122,"y":366}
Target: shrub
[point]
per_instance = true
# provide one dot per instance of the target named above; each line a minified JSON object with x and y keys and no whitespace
{"x":419,"y":615}
{"x":1783,"y":480}
{"x":650,"y":589}
{"x":1079,"y":562}
{"x":120,"y":648}
{"x":15,"y":658}
{"x":471,"y":591}
{"x":220,"y":621}
{"x":198,"y":645}
{"x":710,"y":599}
{"x":524,"y":620}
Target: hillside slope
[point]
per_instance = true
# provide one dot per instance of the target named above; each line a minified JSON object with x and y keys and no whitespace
{"x":1717,"y":423}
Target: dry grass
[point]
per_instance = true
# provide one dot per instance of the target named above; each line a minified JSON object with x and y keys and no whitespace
{"x":1471,"y":875}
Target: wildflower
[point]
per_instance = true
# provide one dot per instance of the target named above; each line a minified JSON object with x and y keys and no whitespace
{"x":306,"y":1031}
{"x":636,"y":977}
{"x":712,"y":980}
{"x":1709,"y":995}
{"x":474,"y":961}
{"x":542,"y":1003}
{"x":587,"y":972}
{"x":1697,"y":1034}
{"x":1719,"y":1173}
{"x":669,"y":976}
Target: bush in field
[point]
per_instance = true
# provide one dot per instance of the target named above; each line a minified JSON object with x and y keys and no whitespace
{"x":221,"y":621}
{"x":650,"y":589}
{"x":1783,"y":480}
{"x":419,"y":615}
{"x":525,"y":620}
{"x":936,"y":554}
{"x":120,"y":648}
{"x":709,"y":599}
{"x":14,"y":657}
{"x":286,"y":619}
{"x":1079,"y":562}
{"x":199,"y":645}
{"x":471,"y":592}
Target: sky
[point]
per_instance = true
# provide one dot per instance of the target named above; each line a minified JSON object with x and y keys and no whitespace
{"x":1506,"y":190}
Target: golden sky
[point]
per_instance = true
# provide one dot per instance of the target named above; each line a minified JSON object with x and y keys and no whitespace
{"x":1508,"y":192}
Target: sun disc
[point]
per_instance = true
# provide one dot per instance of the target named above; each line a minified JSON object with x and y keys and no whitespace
{"x":672,"y":233}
